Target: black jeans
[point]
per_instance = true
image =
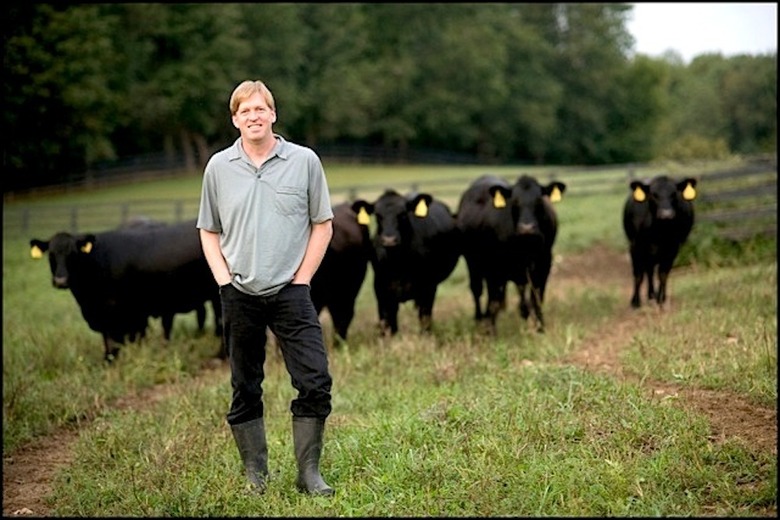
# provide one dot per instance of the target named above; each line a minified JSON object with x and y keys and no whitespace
{"x":290,"y":315}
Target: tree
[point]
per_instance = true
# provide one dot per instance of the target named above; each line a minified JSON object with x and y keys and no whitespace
{"x":180,"y":63}
{"x":748,"y":94}
{"x":592,"y":45}
{"x":57,"y":101}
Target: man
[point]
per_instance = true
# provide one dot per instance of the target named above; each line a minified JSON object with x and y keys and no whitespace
{"x":265,"y":222}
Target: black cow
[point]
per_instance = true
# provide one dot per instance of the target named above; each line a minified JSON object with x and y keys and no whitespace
{"x":657,"y":219}
{"x":140,"y":223}
{"x":508,"y":232}
{"x":338,"y":280}
{"x":122,"y":277}
{"x":416,"y":248}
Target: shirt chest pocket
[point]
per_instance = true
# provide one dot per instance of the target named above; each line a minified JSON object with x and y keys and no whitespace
{"x":291,"y":200}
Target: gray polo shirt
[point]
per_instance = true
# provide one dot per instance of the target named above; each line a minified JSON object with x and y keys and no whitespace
{"x":264,"y":215}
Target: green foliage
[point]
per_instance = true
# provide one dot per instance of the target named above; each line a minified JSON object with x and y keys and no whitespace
{"x":506,"y":83}
{"x":708,"y":247}
{"x":691,"y":147}
{"x":57,"y":62}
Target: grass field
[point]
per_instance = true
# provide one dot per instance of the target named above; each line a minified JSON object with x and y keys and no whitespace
{"x":611,"y":412}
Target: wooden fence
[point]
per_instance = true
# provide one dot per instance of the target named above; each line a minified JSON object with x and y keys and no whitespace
{"x":740,"y":202}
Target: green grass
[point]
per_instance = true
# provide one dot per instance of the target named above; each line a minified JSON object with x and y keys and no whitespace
{"x":448,"y":424}
{"x":724,"y":337}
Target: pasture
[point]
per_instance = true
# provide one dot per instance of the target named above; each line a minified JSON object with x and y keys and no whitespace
{"x":611,"y":412}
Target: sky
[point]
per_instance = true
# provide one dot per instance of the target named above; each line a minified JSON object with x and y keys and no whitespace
{"x":692,"y":29}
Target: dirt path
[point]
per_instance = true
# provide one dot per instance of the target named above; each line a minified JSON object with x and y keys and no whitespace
{"x":730,"y":415}
{"x":28,"y":473}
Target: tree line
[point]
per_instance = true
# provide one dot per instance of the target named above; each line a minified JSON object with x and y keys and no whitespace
{"x":506,"y":83}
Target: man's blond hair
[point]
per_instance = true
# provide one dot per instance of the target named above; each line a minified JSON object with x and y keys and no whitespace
{"x":247,"y":89}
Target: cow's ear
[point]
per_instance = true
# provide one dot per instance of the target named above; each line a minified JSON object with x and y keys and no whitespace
{"x":555,"y":191}
{"x":639,"y":191}
{"x":688,"y":188}
{"x":37,"y":248}
{"x":85,"y":243}
{"x":499,"y":194}
{"x":363,"y":210}
{"x":421,"y":203}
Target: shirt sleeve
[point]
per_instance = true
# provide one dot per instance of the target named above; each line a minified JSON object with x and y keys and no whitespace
{"x":320,"y":208}
{"x":208,"y":213}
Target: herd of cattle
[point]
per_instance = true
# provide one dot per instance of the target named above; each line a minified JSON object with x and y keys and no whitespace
{"x":505,"y":232}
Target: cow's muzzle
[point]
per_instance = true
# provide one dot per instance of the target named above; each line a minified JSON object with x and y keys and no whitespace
{"x":526,"y":229}
{"x":389,"y":241}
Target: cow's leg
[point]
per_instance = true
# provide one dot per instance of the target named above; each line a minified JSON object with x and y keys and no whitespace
{"x":662,"y":277}
{"x":216,"y":306}
{"x":387,"y":306}
{"x":539,"y":276}
{"x":664,"y":268}
{"x":638,"y":270}
{"x":424,"y":302}
{"x":136,"y":326}
{"x":475,"y":284}
{"x":538,"y":283}
{"x":111,"y":347}
{"x":496,"y":302}
{"x":167,"y":323}
{"x":536,"y":305}
{"x":650,"y":274}
{"x":388,"y":317}
{"x":342,"y":315}
{"x":201,"y":313}
{"x":523,"y":307}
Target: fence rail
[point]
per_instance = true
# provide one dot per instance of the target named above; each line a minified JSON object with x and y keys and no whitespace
{"x":740,"y":201}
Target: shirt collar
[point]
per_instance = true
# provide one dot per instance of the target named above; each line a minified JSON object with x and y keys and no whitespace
{"x":281,"y":149}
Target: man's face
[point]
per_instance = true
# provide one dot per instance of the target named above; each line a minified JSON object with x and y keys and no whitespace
{"x":254,"y":118}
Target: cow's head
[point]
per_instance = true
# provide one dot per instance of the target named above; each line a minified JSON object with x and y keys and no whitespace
{"x":530,"y":205}
{"x":664,"y":196}
{"x":64,"y":250}
{"x":393,"y":213}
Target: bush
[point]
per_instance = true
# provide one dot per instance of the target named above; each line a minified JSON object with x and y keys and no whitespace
{"x":693,"y":146}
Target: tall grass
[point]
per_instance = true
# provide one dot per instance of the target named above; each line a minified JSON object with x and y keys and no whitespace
{"x":448,"y":424}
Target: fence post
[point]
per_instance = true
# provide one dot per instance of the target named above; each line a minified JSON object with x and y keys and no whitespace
{"x":179,"y":210}
{"x":74,"y":220}
{"x":125,"y":210}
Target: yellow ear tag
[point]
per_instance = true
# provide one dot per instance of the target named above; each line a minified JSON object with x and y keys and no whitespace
{"x":86,"y":248}
{"x":421,"y":210}
{"x":363,"y":217}
{"x":555,"y":195}
{"x":689,"y":193}
{"x":498,"y":200}
{"x":36,"y":252}
{"x":639,"y":195}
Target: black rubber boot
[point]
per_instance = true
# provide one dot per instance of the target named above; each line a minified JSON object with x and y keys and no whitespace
{"x":307,"y":438}
{"x":250,"y":439}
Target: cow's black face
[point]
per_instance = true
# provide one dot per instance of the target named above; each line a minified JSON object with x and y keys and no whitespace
{"x":392,"y":220}
{"x":527,"y":207}
{"x":664,"y":199}
{"x":62,"y":252}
